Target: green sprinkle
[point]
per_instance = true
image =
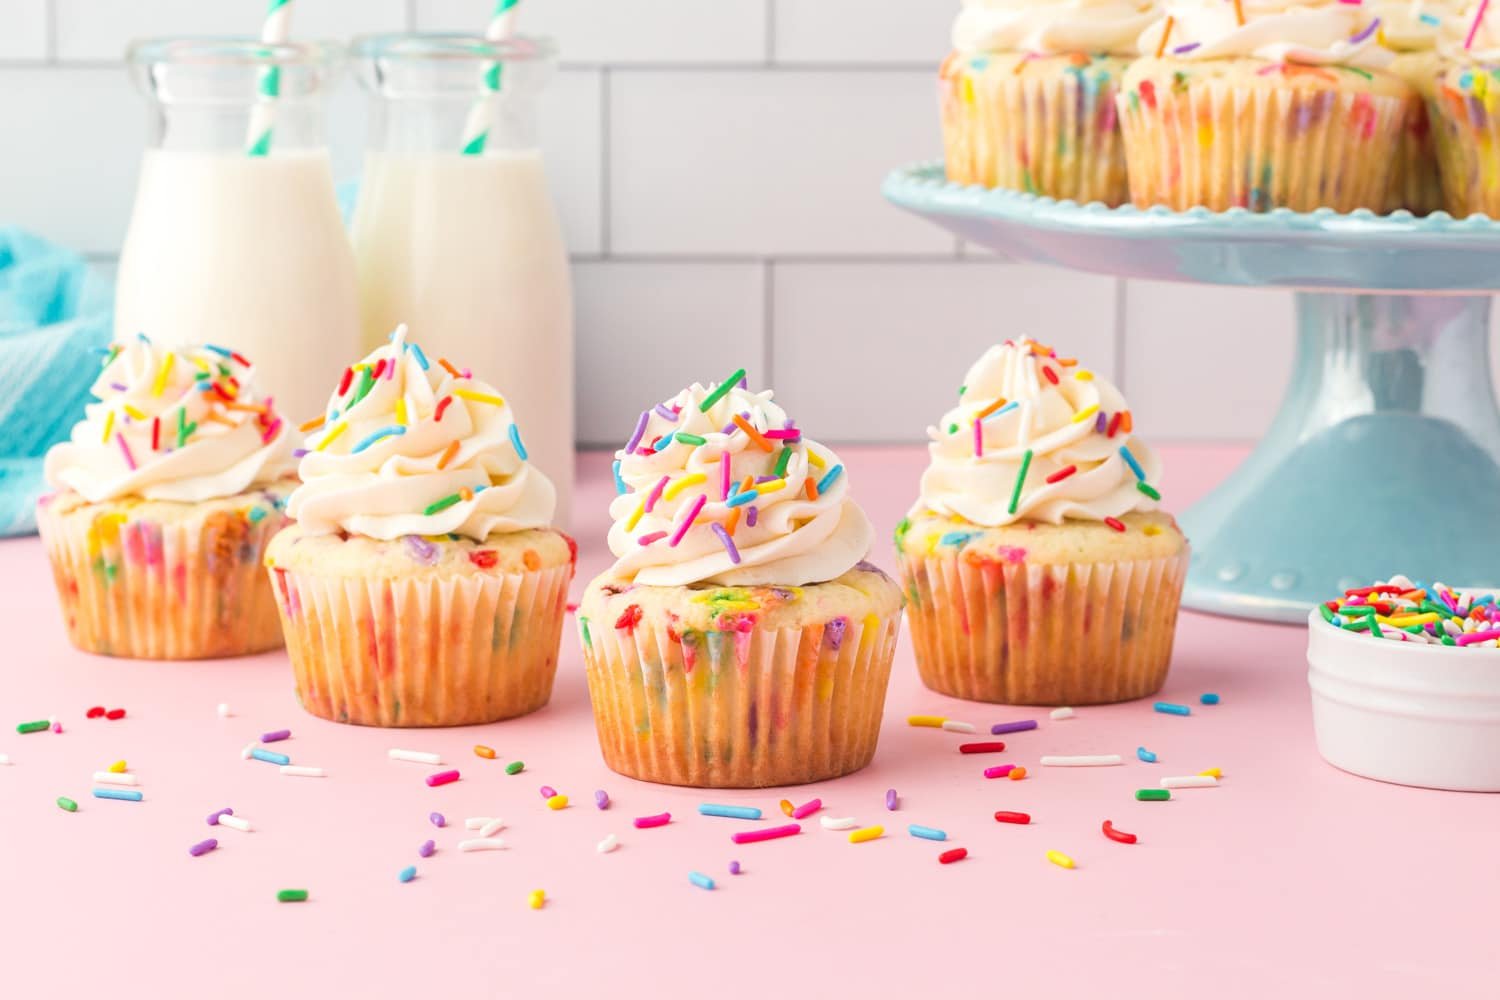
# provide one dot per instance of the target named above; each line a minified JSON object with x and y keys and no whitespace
{"x":962,"y":389}
{"x":33,"y":727}
{"x":1375,"y":627}
{"x":437,"y":505}
{"x":1363,"y":625}
{"x":1357,"y":609}
{"x":719,"y":393}
{"x":181,"y":427}
{"x":1149,"y":490}
{"x":66,"y":804}
{"x":1447,"y":640}
{"x":583,"y":624}
{"x":1152,"y":794}
{"x":1015,"y":494}
{"x":902,"y":527}
{"x":366,"y":382}
{"x":686,"y":438}
{"x":291,"y":896}
{"x":1364,"y":73}
{"x":515,"y":767}
{"x":952,"y":428}
{"x":782,"y":460}
{"x":1327,"y":615}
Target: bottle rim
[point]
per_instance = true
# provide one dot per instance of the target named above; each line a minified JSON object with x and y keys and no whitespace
{"x":231,"y":51}
{"x":452,"y":47}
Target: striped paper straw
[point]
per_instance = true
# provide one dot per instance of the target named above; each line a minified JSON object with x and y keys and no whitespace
{"x":502,"y":26}
{"x":276,"y":30}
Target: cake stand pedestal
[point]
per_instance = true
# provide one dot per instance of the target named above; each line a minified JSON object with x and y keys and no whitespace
{"x":1385,"y":455}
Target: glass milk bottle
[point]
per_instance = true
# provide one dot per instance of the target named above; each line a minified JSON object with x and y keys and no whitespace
{"x":455,"y":233}
{"x":235,"y":238}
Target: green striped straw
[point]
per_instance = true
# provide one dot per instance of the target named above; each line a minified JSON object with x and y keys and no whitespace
{"x":276,"y":30}
{"x":477,"y":130}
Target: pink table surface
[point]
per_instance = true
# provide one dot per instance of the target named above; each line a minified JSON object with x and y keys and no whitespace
{"x":1291,"y":875}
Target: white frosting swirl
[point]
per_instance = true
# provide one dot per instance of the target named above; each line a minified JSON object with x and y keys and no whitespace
{"x":1308,"y":33}
{"x":409,"y":448}
{"x":1057,"y":424}
{"x":787,"y":534}
{"x":1415,"y":25}
{"x":1052,"y":27}
{"x":184,"y":425}
{"x":1484,"y":47}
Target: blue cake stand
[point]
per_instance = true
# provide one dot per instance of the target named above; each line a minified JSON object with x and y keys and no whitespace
{"x":1385,"y":455}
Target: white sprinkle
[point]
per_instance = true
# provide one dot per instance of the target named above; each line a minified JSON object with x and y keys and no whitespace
{"x":1097,"y":760}
{"x":483,"y":844}
{"x":608,"y":844}
{"x":1191,"y":781}
{"x":223,"y":711}
{"x":245,"y":753}
{"x":477,"y":822}
{"x":298,"y":771}
{"x":491,"y":828}
{"x":958,"y":727}
{"x":115,"y":778}
{"x":1058,"y":714}
{"x":838,"y":822}
{"x":234,"y":822}
{"x":415,"y":756}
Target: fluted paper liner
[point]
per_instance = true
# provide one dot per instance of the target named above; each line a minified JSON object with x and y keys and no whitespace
{"x":183,"y":589}
{"x":1416,"y":185}
{"x":1218,"y":146}
{"x":739,"y":709}
{"x":423,"y":651}
{"x":1025,"y":634}
{"x":1467,"y":127}
{"x":1048,"y":129}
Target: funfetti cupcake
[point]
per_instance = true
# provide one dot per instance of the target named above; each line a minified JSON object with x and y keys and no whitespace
{"x":1465,"y":110}
{"x":1038,"y":567}
{"x":1028,"y":95}
{"x":422,"y":584}
{"x":739,"y":640}
{"x":167,"y":494}
{"x":1262,"y":104}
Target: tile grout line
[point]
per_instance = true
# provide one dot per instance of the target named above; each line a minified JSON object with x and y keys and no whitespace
{"x":411,"y":15}
{"x":605,"y":139}
{"x":767,"y":320}
{"x":1119,"y":337}
{"x":770,"y":32}
{"x":50,"y":26}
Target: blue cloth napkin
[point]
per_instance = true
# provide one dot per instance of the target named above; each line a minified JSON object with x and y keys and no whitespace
{"x":55,"y":317}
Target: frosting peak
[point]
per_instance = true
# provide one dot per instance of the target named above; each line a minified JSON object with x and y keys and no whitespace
{"x":182,"y":424}
{"x":408,"y":447}
{"x":716,"y":485}
{"x":1473,"y":35}
{"x":1304,"y":32}
{"x":1035,"y":438}
{"x":1052,"y":27}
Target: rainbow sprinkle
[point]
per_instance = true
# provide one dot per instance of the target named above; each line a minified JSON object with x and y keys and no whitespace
{"x":1400,"y":610}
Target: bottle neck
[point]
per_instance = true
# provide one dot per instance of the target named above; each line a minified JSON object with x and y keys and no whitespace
{"x":485,"y":125}
{"x":261,"y":128}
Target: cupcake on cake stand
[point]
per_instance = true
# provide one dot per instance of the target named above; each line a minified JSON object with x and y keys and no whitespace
{"x":1386,"y":450}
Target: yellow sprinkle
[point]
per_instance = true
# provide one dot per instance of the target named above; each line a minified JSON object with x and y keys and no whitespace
{"x":1212,"y":772}
{"x":872,"y":624}
{"x":1060,"y":859}
{"x":816,"y":459}
{"x":536,"y":899}
{"x":865,"y":833}
{"x":401,"y":412}
{"x":479,"y":397}
{"x":118,"y":767}
{"x":557,"y":802}
{"x":134,"y":413}
{"x":635,"y":517}
{"x":161,"y":376}
{"x":333,"y":432}
{"x":693,"y":479}
{"x":968,"y":90}
{"x":1085,"y":413}
{"x":1151,"y":530}
{"x":202,"y":365}
{"x":1405,"y":620}
{"x":1084,"y":375}
{"x":930,"y":721}
{"x":109,"y":425}
{"x":772,"y":486}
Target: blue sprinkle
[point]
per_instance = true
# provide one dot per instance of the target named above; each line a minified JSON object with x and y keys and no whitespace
{"x":729,"y":812}
{"x":395,"y":430}
{"x":740,"y":499}
{"x":408,"y":873}
{"x":1430,"y":20}
{"x":221,"y":351}
{"x":829,"y":478}
{"x":1209,"y":699}
{"x":700,"y":880}
{"x":1002,"y":411}
{"x":421,"y":358}
{"x":270,"y":757}
{"x":926,"y":832}
{"x":1135,"y":466}
{"x":123,"y":794}
{"x":515,"y":440}
{"x":257,"y":514}
{"x":1145,"y":755}
{"x":957,"y":538}
{"x":1170,"y":709}
{"x":620,"y":487}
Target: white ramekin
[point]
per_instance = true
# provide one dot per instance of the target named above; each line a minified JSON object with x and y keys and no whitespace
{"x":1404,"y":712}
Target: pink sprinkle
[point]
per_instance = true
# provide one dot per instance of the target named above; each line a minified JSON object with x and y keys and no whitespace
{"x":999,"y":771}
{"x":1469,"y":638}
{"x":725,"y":460}
{"x":655,"y":536}
{"x":655,"y":493}
{"x":441,"y":778}
{"x":271,"y":431}
{"x":129,"y":458}
{"x":978,"y":439}
{"x":646,"y":822}
{"x":806,"y":809}
{"x":784,"y":435}
{"x":687,"y":522}
{"x":772,"y":833}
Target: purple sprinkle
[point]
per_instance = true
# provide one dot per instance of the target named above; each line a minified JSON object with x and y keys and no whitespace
{"x":427,"y":846}
{"x":119,"y":386}
{"x":666,"y":414}
{"x":640,"y":430}
{"x":421,"y":550}
{"x":734,"y":867}
{"x":834,"y":631}
{"x":548,"y":791}
{"x":766,"y":479}
{"x":213,"y":817}
{"x":437,"y":820}
{"x":1369,"y":30}
{"x":1190,"y":46}
{"x":601,"y":799}
{"x":751,"y":516}
{"x":1100,"y":423}
{"x":203,"y":847}
{"x":727,"y":542}
{"x":276,"y":736}
{"x":299,"y":452}
{"x":890,"y":799}
{"x":1001,"y":728}
{"x":744,"y":382}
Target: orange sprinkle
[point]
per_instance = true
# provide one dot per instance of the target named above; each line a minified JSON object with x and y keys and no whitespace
{"x":448,"y":454}
{"x":1166,"y":33}
{"x":219,"y":418}
{"x":787,"y":807}
{"x":1017,"y":774}
{"x":733,"y":521}
{"x":246,"y":407}
{"x":811,"y":486}
{"x":313,"y":424}
{"x":1021,"y":66}
{"x":450,"y":369}
{"x":531,"y":559}
{"x":1126,"y":423}
{"x":1066,"y":362}
{"x":990,"y":409}
{"x":466,"y":494}
{"x":480,"y":750}
{"x":753,"y":434}
{"x":1239,"y":13}
{"x":746,"y":484}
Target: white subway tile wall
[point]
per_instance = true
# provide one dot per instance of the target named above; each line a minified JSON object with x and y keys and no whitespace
{"x":717,"y":167}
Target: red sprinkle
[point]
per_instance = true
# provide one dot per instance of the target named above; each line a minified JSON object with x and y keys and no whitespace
{"x":1051,"y":375}
{"x":115,"y":713}
{"x":379,"y":368}
{"x":992,"y":747}
{"x":97,"y":712}
{"x":957,"y":854}
{"x":1062,"y":474}
{"x":441,"y":778}
{"x":156,"y":433}
{"x":629,"y":619}
{"x":1013,"y":817}
{"x":1118,"y":836}
{"x":1117,"y":525}
{"x":443,"y":404}
{"x":1114,"y":424}
{"x":237,"y":356}
{"x":344,"y":382}
{"x":484,"y":558}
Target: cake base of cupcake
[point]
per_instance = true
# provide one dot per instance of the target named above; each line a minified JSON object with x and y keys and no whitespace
{"x":1465,"y":112}
{"x":163,"y":580}
{"x":740,"y":687}
{"x":1041,"y":614}
{"x":422,"y":632}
